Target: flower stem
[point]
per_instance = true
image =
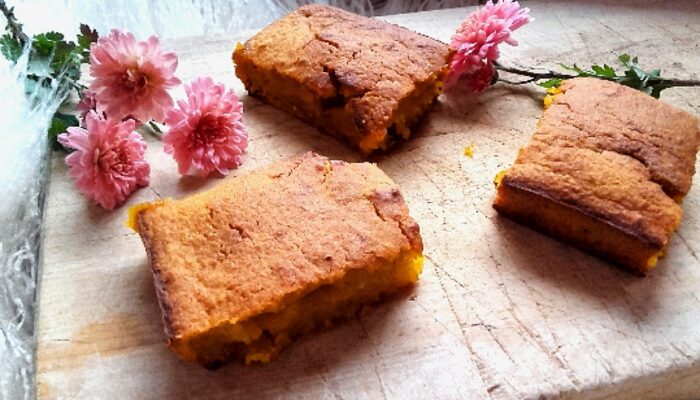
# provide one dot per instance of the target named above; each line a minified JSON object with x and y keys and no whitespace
{"x":78,"y":86}
{"x":156,"y":129}
{"x":533,"y":76}
{"x":12,"y":23}
{"x":679,"y":82}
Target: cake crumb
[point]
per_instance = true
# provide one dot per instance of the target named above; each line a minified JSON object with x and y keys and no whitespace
{"x":136,"y":209}
{"x":469,"y":151}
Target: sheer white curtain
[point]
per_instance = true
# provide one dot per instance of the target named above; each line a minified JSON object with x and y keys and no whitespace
{"x":181,"y":18}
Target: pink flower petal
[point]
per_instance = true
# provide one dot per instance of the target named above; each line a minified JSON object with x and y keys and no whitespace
{"x":205,"y":134}
{"x":132,"y":78}
{"x":476,"y":41}
{"x":108,"y":162}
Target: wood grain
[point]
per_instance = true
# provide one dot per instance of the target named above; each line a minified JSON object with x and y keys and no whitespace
{"x":501,"y":311}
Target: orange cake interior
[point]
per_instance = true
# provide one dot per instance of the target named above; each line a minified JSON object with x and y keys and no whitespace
{"x":244,"y":268}
{"x":261,"y":337}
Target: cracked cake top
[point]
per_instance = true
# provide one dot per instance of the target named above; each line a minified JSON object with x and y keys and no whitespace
{"x":605,"y":116}
{"x":614,"y":154}
{"x":238,"y":249}
{"x":344,"y":57}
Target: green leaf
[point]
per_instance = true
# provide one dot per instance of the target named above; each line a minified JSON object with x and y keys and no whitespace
{"x":53,"y":65}
{"x":636,"y":77}
{"x":624,"y":58}
{"x":608,"y":71}
{"x":599,"y":71}
{"x":10,"y":47}
{"x":633,"y":75}
{"x":656,"y":89}
{"x":66,"y":60}
{"x":605,"y":72}
{"x":59,"y":124}
{"x":574,"y":68}
{"x":86,"y":37}
{"x":550,"y":83}
{"x":53,"y":58}
{"x":44,"y":43}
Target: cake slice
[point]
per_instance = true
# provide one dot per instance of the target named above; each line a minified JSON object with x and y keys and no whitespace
{"x":244,"y":268}
{"x":357,"y":78}
{"x":605,"y":170}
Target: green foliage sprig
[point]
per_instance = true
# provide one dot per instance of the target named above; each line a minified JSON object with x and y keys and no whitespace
{"x":53,"y":64}
{"x":632,"y":75}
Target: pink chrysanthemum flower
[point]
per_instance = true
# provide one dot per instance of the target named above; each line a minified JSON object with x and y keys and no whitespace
{"x":89,"y":103}
{"x":206,"y":132}
{"x":107,"y":164}
{"x":86,"y":104}
{"x":476,"y":40}
{"x":132,"y":78}
{"x":481,"y":79}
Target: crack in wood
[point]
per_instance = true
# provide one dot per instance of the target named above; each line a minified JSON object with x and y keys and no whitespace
{"x":377,"y":354}
{"x":687,"y":246}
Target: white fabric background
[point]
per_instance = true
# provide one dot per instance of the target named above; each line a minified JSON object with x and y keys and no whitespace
{"x":180,"y":18}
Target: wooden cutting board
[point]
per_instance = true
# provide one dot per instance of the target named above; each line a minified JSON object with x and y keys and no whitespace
{"x":500,"y":312}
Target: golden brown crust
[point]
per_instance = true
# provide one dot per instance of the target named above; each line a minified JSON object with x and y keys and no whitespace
{"x":605,"y":185}
{"x":601,"y":202}
{"x":605,"y":116}
{"x":344,"y":73}
{"x":153,"y":248}
{"x":575,"y":226}
{"x":238,"y":249}
{"x":602,"y":171}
